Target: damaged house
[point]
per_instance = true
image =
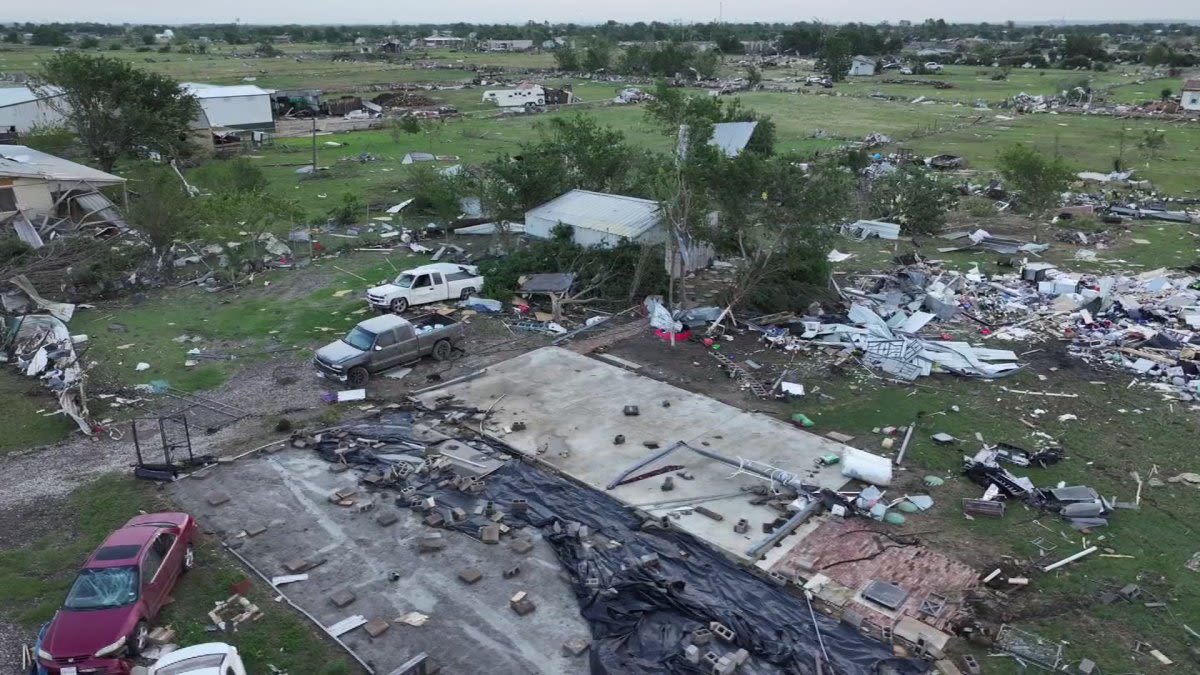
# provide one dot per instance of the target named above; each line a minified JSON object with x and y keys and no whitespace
{"x":42,"y":195}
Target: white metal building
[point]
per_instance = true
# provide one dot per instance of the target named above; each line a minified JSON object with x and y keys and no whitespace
{"x":861,"y":66}
{"x":1190,"y":98}
{"x":242,"y":106}
{"x":516,"y":98}
{"x":598,"y":219}
{"x":24,"y":108}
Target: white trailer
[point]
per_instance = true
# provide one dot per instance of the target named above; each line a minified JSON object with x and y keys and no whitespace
{"x":516,"y":98}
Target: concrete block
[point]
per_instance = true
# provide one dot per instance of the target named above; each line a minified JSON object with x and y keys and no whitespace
{"x":971,"y":665}
{"x":511,"y":572}
{"x":522,"y":604}
{"x":519,"y":507}
{"x":490,"y":534}
{"x":295,"y":566}
{"x":710,"y":659}
{"x":522,"y":546}
{"x":470,"y":575}
{"x":1087,"y":667}
{"x":434,"y":519}
{"x":339,"y":467}
{"x":457,"y":514}
{"x":701,"y":636}
{"x":217,"y":498}
{"x":377,"y":627}
{"x":721,"y":631}
{"x":430,"y":542}
{"x":575,"y":647}
{"x":740,"y":656}
{"x":255,"y":530}
{"x":343,"y":597}
{"x":742,"y":526}
{"x":946,"y":667}
{"x":724,"y":666}
{"x":691,"y":653}
{"x":386,"y":518}
{"x":649,"y":560}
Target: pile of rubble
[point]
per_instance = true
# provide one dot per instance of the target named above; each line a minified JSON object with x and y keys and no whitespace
{"x":899,"y":323}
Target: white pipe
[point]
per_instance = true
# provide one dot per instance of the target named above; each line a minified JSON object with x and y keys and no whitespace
{"x":1053,"y":566}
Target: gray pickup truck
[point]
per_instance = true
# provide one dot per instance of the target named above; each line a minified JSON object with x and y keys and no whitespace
{"x":385,"y":342}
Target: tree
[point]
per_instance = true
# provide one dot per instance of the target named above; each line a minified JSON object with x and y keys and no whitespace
{"x":914,"y":198}
{"x":1153,"y":141}
{"x":50,"y":36}
{"x":347,"y":210}
{"x":117,"y":109}
{"x":233,"y":212}
{"x":162,"y":211}
{"x":597,"y":55}
{"x":235,"y":175}
{"x":1166,"y":93}
{"x":89,"y":42}
{"x":566,"y":58}
{"x":1036,"y":178}
{"x":754,"y":76}
{"x":1157,"y":54}
{"x":435,"y":192}
{"x":12,"y":37}
{"x":835,"y":57}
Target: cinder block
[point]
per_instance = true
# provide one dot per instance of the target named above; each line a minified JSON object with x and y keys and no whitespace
{"x":575,"y":647}
{"x":434,"y":519}
{"x":721,"y":631}
{"x":490,"y":534}
{"x":971,"y":665}
{"x":691,"y":653}
{"x":511,"y":572}
{"x":457,"y":514}
{"x":724,"y":666}
{"x":470,"y":575}
{"x":430,"y":542}
{"x":701,"y":636}
{"x":217,"y":499}
{"x":377,"y":627}
{"x":522,"y":546}
{"x":255,"y":530}
{"x":521,"y":604}
{"x":386,"y":518}
{"x":343,"y":597}
{"x":710,"y":659}
{"x":740,"y":656}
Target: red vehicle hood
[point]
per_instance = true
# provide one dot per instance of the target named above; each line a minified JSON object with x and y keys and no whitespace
{"x":74,"y":634}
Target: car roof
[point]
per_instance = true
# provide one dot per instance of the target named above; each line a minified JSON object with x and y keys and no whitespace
{"x":138,"y":536}
{"x":382,"y":322}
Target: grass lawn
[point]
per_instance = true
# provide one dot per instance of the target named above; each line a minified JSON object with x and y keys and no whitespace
{"x":35,"y":577}
{"x":22,"y":398}
{"x":1087,"y":142}
{"x":290,"y":313}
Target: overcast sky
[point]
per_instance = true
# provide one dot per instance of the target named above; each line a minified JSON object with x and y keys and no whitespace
{"x":519,"y":11}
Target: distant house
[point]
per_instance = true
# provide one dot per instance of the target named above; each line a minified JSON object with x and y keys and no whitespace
{"x":1190,"y":98}
{"x":861,"y":66}
{"x":242,"y":106}
{"x":506,"y":45}
{"x":166,"y":36}
{"x":23,"y":108}
{"x":598,"y":219}
{"x":436,"y":41}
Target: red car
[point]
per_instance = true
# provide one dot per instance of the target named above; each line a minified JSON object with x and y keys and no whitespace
{"x":118,"y":593}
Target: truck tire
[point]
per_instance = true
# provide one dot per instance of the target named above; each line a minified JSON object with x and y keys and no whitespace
{"x":399,"y":305}
{"x":466,"y":293}
{"x":442,"y":350}
{"x":358,"y":376}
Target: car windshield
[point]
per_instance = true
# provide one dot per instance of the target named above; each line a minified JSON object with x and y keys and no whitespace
{"x":192,"y":665}
{"x":360,"y":339}
{"x":405,"y":280}
{"x":103,"y":588}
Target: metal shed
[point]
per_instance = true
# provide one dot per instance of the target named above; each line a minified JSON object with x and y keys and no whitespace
{"x":598,"y":219}
{"x":24,"y":108}
{"x":242,"y":106}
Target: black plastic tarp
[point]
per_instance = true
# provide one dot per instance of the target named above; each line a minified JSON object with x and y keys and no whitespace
{"x":641,"y":611}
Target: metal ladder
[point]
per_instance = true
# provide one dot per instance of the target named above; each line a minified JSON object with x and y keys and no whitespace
{"x":739,"y":374}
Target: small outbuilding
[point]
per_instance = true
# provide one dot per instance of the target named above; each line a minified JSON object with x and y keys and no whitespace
{"x":598,"y":219}
{"x":242,"y":106}
{"x":861,"y":66}
{"x":24,"y":108}
{"x":1190,"y":98}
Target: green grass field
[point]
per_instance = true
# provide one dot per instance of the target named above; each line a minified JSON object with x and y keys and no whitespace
{"x":34,"y":579}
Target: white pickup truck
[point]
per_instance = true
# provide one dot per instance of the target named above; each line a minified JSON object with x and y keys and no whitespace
{"x":426,"y":284}
{"x":210,"y":658}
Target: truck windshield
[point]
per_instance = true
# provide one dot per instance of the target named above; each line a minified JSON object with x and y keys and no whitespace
{"x":103,"y":588}
{"x":405,"y":280}
{"x":359,"y":339}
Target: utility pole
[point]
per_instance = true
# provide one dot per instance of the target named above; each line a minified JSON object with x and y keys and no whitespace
{"x":314,"y":144}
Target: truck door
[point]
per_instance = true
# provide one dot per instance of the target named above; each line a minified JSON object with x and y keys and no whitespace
{"x":406,"y":344}
{"x":423,"y":290}
{"x":388,"y":352}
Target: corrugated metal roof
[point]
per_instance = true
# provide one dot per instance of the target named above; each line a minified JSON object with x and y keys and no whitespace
{"x":99,"y":209}
{"x":200,"y":90}
{"x":732,"y":137}
{"x":617,"y":215}
{"x":1191,"y":85}
{"x":23,"y":162}
{"x":18,"y":95}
